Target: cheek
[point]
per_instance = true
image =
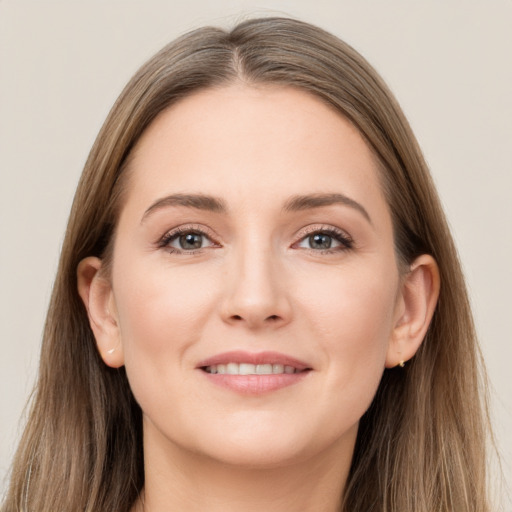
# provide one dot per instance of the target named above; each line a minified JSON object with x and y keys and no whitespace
{"x":351,"y":313}
{"x":157,"y":302}
{"x":352,"y":300}
{"x":161,"y":314}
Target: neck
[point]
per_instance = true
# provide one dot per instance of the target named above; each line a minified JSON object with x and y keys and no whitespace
{"x":177,"y":479}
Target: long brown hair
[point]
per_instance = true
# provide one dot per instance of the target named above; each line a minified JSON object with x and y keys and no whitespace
{"x":420,"y":446}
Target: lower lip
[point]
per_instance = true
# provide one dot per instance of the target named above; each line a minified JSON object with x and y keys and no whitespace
{"x":255,"y":384}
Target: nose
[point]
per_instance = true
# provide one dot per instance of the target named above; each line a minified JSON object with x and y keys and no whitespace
{"x":256,"y":293}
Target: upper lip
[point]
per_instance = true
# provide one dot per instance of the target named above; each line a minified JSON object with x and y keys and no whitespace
{"x":267,"y":357}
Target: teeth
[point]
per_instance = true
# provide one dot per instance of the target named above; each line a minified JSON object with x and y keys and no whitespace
{"x":246,"y":369}
{"x":251,"y":369}
{"x":232,"y":369}
{"x":264,"y":369}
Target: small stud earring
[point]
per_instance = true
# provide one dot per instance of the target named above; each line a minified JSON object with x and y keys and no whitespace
{"x":111,"y":351}
{"x":401,"y":364}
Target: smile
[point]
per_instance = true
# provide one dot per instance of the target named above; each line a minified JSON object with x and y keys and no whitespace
{"x":251,"y":369}
{"x":254,"y":373}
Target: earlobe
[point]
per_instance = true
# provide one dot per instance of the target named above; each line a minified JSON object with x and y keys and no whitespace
{"x":415,"y":308}
{"x":97,"y":296}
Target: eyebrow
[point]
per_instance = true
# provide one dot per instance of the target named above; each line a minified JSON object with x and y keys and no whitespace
{"x":217,"y":205}
{"x":297,"y":203}
{"x":197,"y":201}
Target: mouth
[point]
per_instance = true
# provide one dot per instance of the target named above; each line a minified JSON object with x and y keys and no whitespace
{"x":254,"y":373}
{"x":251,"y":369}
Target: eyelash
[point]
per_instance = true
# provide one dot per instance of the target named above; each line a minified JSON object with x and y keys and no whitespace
{"x":345,"y":240}
{"x":338,"y":235}
{"x":169,"y":237}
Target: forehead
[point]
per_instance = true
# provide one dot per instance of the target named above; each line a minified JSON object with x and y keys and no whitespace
{"x":252,"y":144}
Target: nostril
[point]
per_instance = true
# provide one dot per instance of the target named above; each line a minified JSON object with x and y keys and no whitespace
{"x":271,"y":318}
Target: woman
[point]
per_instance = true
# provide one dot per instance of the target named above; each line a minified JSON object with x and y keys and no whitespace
{"x":259,"y":303}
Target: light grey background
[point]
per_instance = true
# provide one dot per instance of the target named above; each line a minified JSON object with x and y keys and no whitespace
{"x":62,"y":64}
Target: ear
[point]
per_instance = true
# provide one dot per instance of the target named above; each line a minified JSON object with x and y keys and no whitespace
{"x":97,"y":295}
{"x":415,"y":308}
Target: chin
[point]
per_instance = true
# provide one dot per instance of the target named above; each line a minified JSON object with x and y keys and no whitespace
{"x":259,"y":455}
{"x":274,"y":445}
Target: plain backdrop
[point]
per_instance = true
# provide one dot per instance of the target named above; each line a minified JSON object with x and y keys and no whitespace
{"x":63,"y":63}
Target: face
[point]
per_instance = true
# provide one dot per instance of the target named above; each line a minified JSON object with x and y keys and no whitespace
{"x":254,"y":280}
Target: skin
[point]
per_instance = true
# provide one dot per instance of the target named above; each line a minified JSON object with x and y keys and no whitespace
{"x":258,"y":283}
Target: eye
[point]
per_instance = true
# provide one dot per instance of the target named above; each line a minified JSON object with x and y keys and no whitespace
{"x":329,"y":240}
{"x":189,"y":241}
{"x":319,"y":241}
{"x":186,"y":240}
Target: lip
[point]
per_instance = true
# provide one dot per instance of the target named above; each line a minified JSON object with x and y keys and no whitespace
{"x":255,"y":384}
{"x":240,"y":356}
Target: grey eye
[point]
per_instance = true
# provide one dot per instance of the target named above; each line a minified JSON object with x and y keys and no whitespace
{"x":190,"y":241}
{"x":320,"y":241}
{"x":325,"y":240}
{"x":186,"y":241}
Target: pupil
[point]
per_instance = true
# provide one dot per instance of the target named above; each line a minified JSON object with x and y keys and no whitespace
{"x":191,"y":241}
{"x":320,"y":241}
